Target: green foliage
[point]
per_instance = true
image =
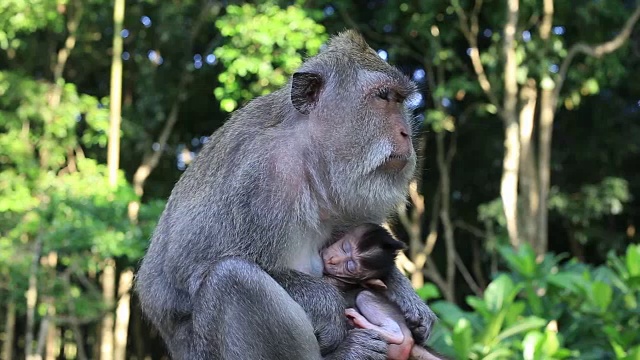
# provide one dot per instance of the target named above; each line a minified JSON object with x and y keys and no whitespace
{"x":550,"y":309}
{"x":592,"y":202}
{"x":18,"y":16}
{"x":266,"y":44}
{"x":583,"y":209}
{"x":52,"y":195}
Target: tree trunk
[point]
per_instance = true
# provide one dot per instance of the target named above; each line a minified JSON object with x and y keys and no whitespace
{"x":528,"y":177}
{"x":510,"y":164}
{"x":9,"y":331}
{"x":32,"y":299}
{"x":509,"y":181}
{"x":445,"y":216}
{"x":79,"y":340}
{"x":108,"y":293}
{"x":547,"y":109}
{"x":42,"y":337}
{"x":50,"y":337}
{"x":122,"y":314}
{"x":113,"y":164}
{"x":115,"y":96}
{"x":52,"y":340}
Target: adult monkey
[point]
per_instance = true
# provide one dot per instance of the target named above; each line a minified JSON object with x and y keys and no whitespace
{"x":233,"y":270}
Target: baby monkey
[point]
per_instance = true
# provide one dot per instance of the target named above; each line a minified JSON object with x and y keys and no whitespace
{"x":361,"y":257}
{"x":356,"y":263}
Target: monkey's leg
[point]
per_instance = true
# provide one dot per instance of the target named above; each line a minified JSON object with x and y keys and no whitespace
{"x":417,"y":314}
{"x":240,"y":312}
{"x":325,"y":306}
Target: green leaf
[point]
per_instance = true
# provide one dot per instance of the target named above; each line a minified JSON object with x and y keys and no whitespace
{"x":551,"y":343}
{"x":480,"y":306}
{"x":462,"y":338}
{"x":633,"y":354}
{"x":569,"y":281}
{"x":500,"y":293}
{"x":493,"y":329}
{"x":448,"y":312}
{"x":633,"y":260}
{"x":531,"y":344}
{"x":523,"y":260}
{"x":524,"y":325}
{"x":428,"y":291}
{"x":602,"y":295}
{"x":590,"y":87}
{"x":500,"y":353}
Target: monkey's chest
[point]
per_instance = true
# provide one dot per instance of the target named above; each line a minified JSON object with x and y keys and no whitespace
{"x":307,"y":259}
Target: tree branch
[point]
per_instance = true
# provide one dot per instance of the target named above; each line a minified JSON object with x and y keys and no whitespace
{"x":471,"y":34}
{"x":547,"y":19}
{"x":594,"y":50}
{"x":151,"y":158}
{"x":467,"y":276}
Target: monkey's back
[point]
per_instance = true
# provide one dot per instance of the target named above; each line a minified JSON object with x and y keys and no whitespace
{"x":217,"y":207}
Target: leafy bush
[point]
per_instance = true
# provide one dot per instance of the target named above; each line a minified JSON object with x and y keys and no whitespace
{"x":549,"y":309}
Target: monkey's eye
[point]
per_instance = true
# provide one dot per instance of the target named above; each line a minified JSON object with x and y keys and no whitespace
{"x":351,"y":266}
{"x":346,"y":247}
{"x":383,"y":93}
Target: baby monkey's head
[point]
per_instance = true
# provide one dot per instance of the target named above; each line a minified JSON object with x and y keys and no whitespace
{"x":364,"y":253}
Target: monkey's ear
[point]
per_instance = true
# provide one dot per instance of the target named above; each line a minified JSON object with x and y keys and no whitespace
{"x":305,"y":90}
{"x":375,"y":284}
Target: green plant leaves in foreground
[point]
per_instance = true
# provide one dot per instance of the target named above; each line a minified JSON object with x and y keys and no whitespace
{"x":547,"y":310}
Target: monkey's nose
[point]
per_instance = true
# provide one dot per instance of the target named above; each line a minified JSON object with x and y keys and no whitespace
{"x":336,"y":259}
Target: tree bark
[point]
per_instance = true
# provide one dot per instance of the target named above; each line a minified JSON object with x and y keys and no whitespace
{"x":510,"y":164}
{"x":123,"y":314}
{"x":42,"y":337}
{"x":547,"y":106}
{"x":108,"y":293}
{"x":9,"y":330}
{"x":113,"y":164}
{"x":445,"y":215}
{"x":115,"y":96}
{"x":32,"y":299}
{"x":528,"y":176}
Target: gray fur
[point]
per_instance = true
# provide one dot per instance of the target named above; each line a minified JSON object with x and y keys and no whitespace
{"x":263,"y":197}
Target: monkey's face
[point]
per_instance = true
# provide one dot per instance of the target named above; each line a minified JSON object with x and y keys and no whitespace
{"x":354,"y":106}
{"x":369,"y":140}
{"x":341,"y":259}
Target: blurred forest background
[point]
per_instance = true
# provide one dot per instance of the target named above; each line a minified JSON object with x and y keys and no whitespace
{"x":522,"y":232}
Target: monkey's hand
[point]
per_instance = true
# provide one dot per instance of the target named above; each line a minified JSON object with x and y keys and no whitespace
{"x":417,"y":314}
{"x":361,"y":344}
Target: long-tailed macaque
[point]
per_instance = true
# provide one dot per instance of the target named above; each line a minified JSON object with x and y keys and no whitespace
{"x":361,"y":257}
{"x":233,"y":270}
{"x":358,"y":260}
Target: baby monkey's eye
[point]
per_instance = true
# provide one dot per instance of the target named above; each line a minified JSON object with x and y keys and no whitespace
{"x":346,"y":247}
{"x":351,"y":266}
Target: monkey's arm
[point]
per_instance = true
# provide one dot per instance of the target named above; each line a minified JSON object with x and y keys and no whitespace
{"x":418,"y":315}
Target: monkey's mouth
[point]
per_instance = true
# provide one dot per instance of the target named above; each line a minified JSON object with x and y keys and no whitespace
{"x":395,"y":162}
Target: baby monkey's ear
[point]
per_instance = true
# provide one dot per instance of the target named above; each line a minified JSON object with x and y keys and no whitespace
{"x":375,"y":284}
